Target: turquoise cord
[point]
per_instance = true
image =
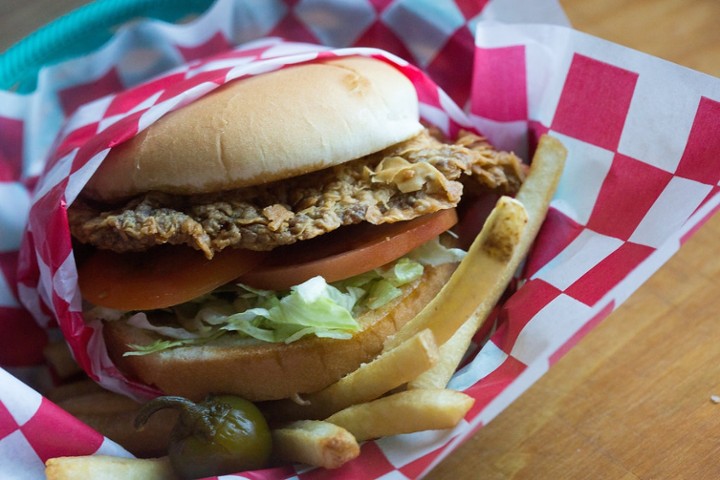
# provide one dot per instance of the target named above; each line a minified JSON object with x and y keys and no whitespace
{"x":82,"y":31}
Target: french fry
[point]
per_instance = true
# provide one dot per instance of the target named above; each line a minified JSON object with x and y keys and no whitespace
{"x":113,"y":415}
{"x":108,"y":468}
{"x":386,"y":372}
{"x":495,"y":254}
{"x":540,"y":186}
{"x":404,"y":412}
{"x":483,"y":275}
{"x":315,"y":443}
{"x":451,"y":353}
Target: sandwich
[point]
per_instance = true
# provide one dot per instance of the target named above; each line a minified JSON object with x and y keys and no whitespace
{"x":266,"y":239}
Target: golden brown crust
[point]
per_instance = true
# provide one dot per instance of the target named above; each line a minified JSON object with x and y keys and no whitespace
{"x":264,"y":128}
{"x":270,"y":371}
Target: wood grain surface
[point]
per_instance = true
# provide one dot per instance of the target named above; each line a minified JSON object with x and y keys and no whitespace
{"x":633,"y":399}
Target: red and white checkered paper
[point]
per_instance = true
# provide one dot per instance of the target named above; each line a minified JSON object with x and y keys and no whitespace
{"x":642,"y":174}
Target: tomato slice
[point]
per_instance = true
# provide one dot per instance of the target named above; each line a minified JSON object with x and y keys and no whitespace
{"x":159,"y":278}
{"x":347,"y":251}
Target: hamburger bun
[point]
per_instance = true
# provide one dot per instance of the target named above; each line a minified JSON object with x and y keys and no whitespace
{"x":269,"y":371}
{"x":265,"y":128}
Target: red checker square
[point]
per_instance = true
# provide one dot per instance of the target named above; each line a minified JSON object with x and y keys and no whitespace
{"x":584,"y":330}
{"x":592,"y":286}
{"x":594,"y":102}
{"x":427,"y":89}
{"x":8,"y":424}
{"x":248,"y":52}
{"x":216,"y":43}
{"x":47,"y":217}
{"x":492,"y":385}
{"x":8,"y":269}
{"x":73,"y":97}
{"x":117,"y":133}
{"x":23,"y":341}
{"x":520,"y":309}
{"x":372,"y":463}
{"x":73,"y":140}
{"x":700,"y":160}
{"x":449,"y":70}
{"x":53,"y":432}
{"x":415,"y":468}
{"x":499,"y":90}
{"x":294,"y":30}
{"x":11,"y":134}
{"x":129,"y":99}
{"x":471,"y":8}
{"x":212,"y":76}
{"x":629,"y":190}
{"x":381,"y":5}
{"x":275,"y":473}
{"x":557,"y":232}
{"x":378,"y":35}
{"x":535,"y":131}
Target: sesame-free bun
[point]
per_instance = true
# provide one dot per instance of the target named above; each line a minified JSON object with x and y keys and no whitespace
{"x":269,"y":371}
{"x":264,"y":128}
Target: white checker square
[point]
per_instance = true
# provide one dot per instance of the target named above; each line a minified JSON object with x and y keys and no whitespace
{"x":106,"y":122}
{"x":25,"y":464}
{"x":57,"y":174}
{"x":65,"y":283}
{"x":546,"y":70}
{"x":42,"y":290}
{"x":405,"y":448}
{"x":337,"y":23}
{"x":508,"y":136}
{"x":109,"y":447}
{"x":288,"y":49}
{"x":523,"y":11}
{"x":250,"y":19}
{"x":655,"y":131}
{"x":585,"y":171}
{"x":7,"y":299}
{"x":20,"y":400}
{"x":14,"y":210}
{"x":487,"y":360}
{"x":394,"y":475}
{"x":80,"y":177}
{"x":87,"y":114}
{"x":406,"y":17}
{"x":581,"y":255}
{"x":670,"y":211}
{"x":31,"y":300}
{"x":435,"y":116}
{"x":13,"y":105}
{"x":549,"y":329}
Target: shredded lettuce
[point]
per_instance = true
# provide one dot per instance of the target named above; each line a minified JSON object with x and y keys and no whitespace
{"x":311,"y":308}
{"x":434,"y":253}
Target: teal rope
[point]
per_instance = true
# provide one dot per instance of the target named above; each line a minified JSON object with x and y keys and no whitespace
{"x":82,"y":31}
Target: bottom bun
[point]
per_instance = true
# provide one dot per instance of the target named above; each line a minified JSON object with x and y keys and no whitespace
{"x":269,"y":371}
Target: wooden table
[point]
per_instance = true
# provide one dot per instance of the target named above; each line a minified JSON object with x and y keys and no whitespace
{"x":633,"y":399}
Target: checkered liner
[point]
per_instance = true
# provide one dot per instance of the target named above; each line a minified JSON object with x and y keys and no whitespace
{"x":642,"y":175}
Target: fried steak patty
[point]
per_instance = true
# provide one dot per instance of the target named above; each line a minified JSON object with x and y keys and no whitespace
{"x":413,"y":178}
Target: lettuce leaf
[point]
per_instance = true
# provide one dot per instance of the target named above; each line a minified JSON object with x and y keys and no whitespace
{"x":311,"y":308}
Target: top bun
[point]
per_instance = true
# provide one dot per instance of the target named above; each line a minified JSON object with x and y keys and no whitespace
{"x":265,"y":128}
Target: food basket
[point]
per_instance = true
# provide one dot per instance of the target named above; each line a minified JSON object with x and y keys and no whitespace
{"x":511,"y":73}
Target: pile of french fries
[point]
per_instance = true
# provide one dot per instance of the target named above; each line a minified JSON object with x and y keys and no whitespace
{"x":403,"y":390}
